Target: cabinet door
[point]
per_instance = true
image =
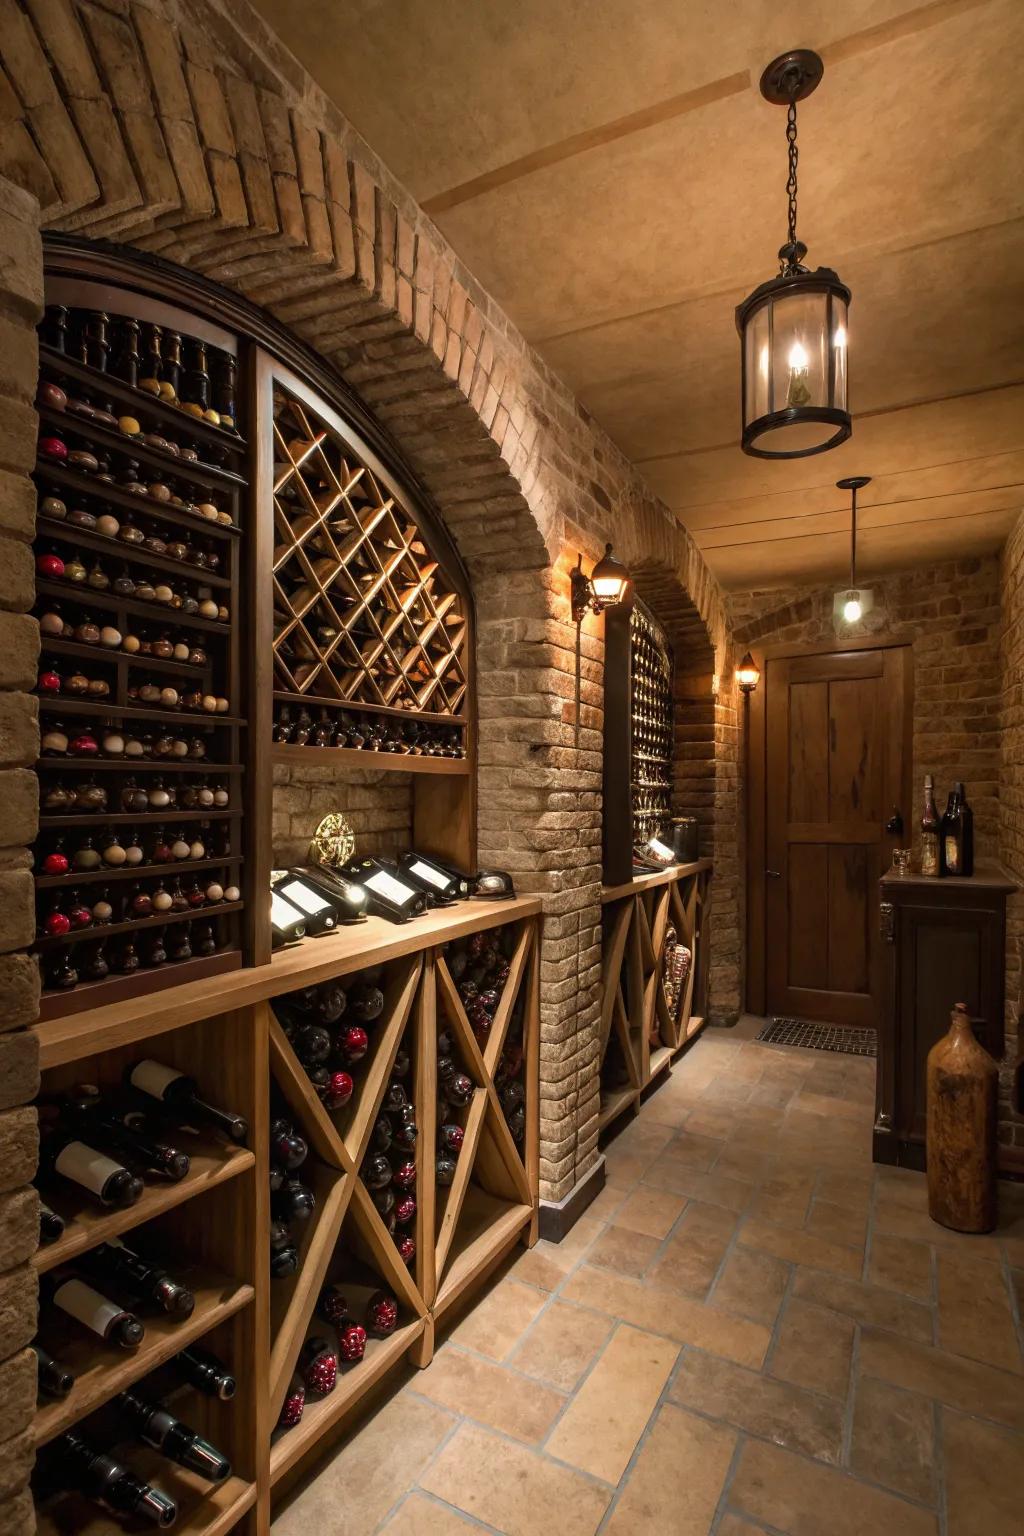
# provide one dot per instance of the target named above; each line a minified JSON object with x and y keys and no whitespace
{"x":946,"y":956}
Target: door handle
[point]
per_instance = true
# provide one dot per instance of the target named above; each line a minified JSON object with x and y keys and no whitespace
{"x":774,"y":874}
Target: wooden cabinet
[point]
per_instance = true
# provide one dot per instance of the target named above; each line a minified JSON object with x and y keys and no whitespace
{"x":943,"y":943}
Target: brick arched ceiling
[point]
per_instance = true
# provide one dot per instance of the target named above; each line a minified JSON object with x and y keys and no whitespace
{"x":610,"y":173}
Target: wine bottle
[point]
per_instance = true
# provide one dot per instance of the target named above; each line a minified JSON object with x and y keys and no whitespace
{"x":88,"y":1114}
{"x":96,"y":1312}
{"x":73,"y":1463}
{"x":178,"y":1094}
{"x":51,"y":1226}
{"x":294,"y":1201}
{"x":54,"y":1380}
{"x":154,"y":1426}
{"x":287,"y":1148}
{"x":931,"y":863}
{"x":957,"y":834}
{"x":202,"y":1370}
{"x":113,"y":1263}
{"x":109,"y":1182}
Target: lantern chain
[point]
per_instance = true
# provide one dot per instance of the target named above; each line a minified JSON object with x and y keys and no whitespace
{"x":791,"y":182}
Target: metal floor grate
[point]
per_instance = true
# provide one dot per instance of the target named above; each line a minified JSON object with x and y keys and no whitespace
{"x":820,"y":1037}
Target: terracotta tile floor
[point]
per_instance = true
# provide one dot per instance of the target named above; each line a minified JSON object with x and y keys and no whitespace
{"x":752,"y":1330}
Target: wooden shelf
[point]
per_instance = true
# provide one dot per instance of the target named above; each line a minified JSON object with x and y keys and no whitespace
{"x":103,"y":876}
{"x":102,"y":1370}
{"x":130,"y":925}
{"x":657,"y":877}
{"x":66,"y":1008}
{"x":143,"y":506}
{"x":132,"y":554}
{"x":131,"y":765}
{"x":171,"y":464}
{"x":359,"y":757}
{"x":136,"y":818}
{"x":614,"y":1103}
{"x":420,"y":716}
{"x":213,"y":1162}
{"x":57,"y":704}
{"x":487,"y":1229}
{"x":203,"y":1510}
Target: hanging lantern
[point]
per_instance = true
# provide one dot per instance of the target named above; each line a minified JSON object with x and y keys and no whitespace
{"x":793,"y":329}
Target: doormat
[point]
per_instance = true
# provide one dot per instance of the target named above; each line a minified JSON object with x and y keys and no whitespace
{"x":820,"y":1037}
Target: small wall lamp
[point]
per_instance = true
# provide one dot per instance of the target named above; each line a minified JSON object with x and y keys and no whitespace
{"x":606,"y":585}
{"x":748,"y":674}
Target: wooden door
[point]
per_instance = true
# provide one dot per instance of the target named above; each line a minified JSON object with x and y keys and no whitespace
{"x":838,"y":753}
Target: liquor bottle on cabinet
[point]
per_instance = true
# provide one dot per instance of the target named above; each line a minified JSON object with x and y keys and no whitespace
{"x":957,"y":834}
{"x":931,"y":859}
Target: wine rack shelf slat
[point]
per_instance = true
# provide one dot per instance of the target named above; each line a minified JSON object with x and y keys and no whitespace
{"x":84,"y":486}
{"x":131,"y":448}
{"x":357,"y":757}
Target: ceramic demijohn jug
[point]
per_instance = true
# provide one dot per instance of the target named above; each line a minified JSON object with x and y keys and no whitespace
{"x":962,"y":1093}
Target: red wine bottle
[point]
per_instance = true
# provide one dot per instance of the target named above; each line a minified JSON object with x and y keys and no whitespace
{"x":107,"y":1181}
{"x":74,"y":1464}
{"x":96,"y":1312}
{"x":54,"y":1380}
{"x":154,"y":1426}
{"x":178,"y":1094}
{"x":87,"y":1113}
{"x":202,"y":1369}
{"x":287,"y":1148}
{"x":51,"y":1226}
{"x":113,"y":1263}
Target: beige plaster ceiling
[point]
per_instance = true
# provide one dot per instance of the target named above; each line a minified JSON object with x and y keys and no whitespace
{"x":609,"y":171}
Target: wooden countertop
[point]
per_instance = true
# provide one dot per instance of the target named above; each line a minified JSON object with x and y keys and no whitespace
{"x":986,"y":877}
{"x":310,"y":961}
{"x":656,"y":877}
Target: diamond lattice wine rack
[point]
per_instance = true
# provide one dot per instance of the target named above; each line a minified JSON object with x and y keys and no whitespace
{"x":141,"y":479}
{"x":371,"y":629}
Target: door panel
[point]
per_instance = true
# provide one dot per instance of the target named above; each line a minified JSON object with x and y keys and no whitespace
{"x":836,"y":766}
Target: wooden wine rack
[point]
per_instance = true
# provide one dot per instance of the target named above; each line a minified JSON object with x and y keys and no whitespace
{"x":638,"y":736}
{"x":640,"y":1032}
{"x":225,"y":1034}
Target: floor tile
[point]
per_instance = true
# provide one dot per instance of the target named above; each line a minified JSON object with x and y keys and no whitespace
{"x":837,"y":1223}
{"x":784,"y":1199}
{"x":865,"y":1304}
{"x":734,"y":1525}
{"x":365,"y":1477}
{"x":676,"y":1483}
{"x":899,"y":1265}
{"x":546,"y":1263}
{"x":628,"y":1253}
{"x":686,"y":1321}
{"x":606,"y":1204}
{"x":803,"y":1498}
{"x":716,"y":1123}
{"x":693,"y":1256}
{"x":496,"y":1323}
{"x":562,"y":1345}
{"x":512,"y":1487}
{"x":850,"y":1190}
{"x":983,"y":1466}
{"x":709,"y":1188}
{"x":489,"y":1393}
{"x":744,"y":1162}
{"x":813,"y":1349}
{"x":752,"y":1284}
{"x":423,"y":1516}
{"x":894,"y":1439}
{"x":652,"y":1212}
{"x":690,"y":1151}
{"x":800,"y":1248}
{"x":975,"y":1316}
{"x":967,"y":1385}
{"x":599,"y":1430}
{"x":773,"y":1410}
{"x":900,"y":1221}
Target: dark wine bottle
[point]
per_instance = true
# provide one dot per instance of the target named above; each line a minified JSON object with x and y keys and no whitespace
{"x":287,"y":1148}
{"x":178,"y":1094}
{"x":54,"y":1380}
{"x":113,"y":1263}
{"x":957,"y":834}
{"x":294,"y":1201}
{"x":87,"y":1113}
{"x":202,"y":1370}
{"x":154,"y":1426}
{"x":108,"y":1182}
{"x":931,"y":862}
{"x":73,"y":1463}
{"x":51,"y":1226}
{"x":96,"y":1312}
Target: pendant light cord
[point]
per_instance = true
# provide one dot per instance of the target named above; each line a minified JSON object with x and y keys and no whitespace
{"x":853,"y":537}
{"x":793,"y":157}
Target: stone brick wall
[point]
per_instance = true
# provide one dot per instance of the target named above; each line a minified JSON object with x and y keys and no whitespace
{"x":377,"y":806}
{"x":1011,"y":817}
{"x":20,"y":306}
{"x":186,"y":130}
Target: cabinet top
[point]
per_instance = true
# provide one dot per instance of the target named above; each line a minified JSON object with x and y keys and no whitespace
{"x":987,"y":877}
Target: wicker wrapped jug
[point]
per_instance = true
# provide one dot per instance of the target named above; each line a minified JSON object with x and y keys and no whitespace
{"x":961,"y":1135}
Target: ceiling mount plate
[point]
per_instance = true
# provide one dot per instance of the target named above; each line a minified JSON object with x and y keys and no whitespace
{"x":791,"y":76}
{"x":853,"y":482}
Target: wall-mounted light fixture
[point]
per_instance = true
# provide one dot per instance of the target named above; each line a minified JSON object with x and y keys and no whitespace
{"x":851,"y":604}
{"x":793,"y":329}
{"x":748,"y":674}
{"x":607,"y":584}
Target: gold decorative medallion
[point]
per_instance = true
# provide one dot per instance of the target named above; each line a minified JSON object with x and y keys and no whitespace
{"x":333,"y":842}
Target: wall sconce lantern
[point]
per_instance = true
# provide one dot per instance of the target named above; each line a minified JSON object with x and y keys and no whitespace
{"x":748,"y":674}
{"x":850,"y":605}
{"x":793,"y":329}
{"x":607,"y":584}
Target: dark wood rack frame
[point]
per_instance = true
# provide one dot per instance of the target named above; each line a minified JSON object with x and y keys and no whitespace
{"x":634,"y":776}
{"x":237,"y":471}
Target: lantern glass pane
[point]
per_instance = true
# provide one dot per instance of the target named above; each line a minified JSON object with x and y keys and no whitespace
{"x":800,"y":342}
{"x":757,"y":365}
{"x":839,"y":351}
